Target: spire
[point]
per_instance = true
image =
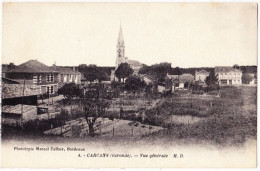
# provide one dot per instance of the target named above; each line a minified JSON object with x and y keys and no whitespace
{"x":120,"y":41}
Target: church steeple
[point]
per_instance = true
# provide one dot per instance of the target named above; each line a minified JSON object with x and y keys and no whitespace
{"x":120,"y":41}
{"x":120,"y":49}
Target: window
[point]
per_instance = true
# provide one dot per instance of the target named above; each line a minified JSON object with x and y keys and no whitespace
{"x":223,"y":81}
{"x":37,"y":78}
{"x":119,"y":52}
{"x":49,"y":78}
{"x":34,"y":79}
{"x":50,"y":90}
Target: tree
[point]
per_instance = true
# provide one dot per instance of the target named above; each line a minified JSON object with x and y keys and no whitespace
{"x":93,"y":72}
{"x":124,"y":70}
{"x":236,"y":66}
{"x":148,"y":89}
{"x":102,"y":75}
{"x":211,"y":79}
{"x":186,"y":84}
{"x":158,"y":70}
{"x":246,"y":78}
{"x":134,"y":84}
{"x":177,"y":71}
{"x":115,"y":85}
{"x":95,"y":104}
{"x":70,"y":91}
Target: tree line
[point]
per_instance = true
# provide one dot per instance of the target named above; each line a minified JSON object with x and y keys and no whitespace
{"x":159,"y":71}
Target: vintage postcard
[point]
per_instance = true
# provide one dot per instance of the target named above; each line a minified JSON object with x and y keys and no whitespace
{"x":129,"y":85}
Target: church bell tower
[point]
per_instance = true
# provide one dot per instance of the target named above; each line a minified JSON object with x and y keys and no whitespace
{"x":120,"y":49}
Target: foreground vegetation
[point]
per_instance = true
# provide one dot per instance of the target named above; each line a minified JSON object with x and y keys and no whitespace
{"x":228,"y":120}
{"x":231,"y":120}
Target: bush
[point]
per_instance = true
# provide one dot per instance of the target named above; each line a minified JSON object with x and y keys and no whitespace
{"x":75,"y":130}
{"x":213,"y":87}
{"x":111,"y":117}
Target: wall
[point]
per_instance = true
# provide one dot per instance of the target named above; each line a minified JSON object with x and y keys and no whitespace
{"x":28,"y":100}
{"x":235,"y":77}
{"x":201,"y":77}
{"x":28,"y":77}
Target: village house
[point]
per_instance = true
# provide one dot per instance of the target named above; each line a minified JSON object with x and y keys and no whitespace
{"x":201,"y":75}
{"x":178,"y":81}
{"x":36,"y":75}
{"x":17,"y":100}
{"x":169,"y":86}
{"x":20,"y":104}
{"x":161,"y":87}
{"x":228,"y":75}
{"x":14,"y":93}
{"x":186,"y":78}
{"x":172,"y":77}
{"x":7,"y":67}
{"x":148,"y":79}
{"x":67,"y":75}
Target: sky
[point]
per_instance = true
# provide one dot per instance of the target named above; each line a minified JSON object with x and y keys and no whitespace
{"x":184,"y":34}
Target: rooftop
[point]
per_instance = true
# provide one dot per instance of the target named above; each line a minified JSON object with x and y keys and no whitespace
{"x":134,"y":62}
{"x":9,"y":81}
{"x":16,"y":90}
{"x":65,"y":70}
{"x":186,"y":77}
{"x":148,"y":76}
{"x":17,"y":109}
{"x":32,"y":66}
{"x":172,"y":76}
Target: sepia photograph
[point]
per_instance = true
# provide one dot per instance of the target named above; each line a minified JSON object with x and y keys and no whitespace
{"x":129,"y":85}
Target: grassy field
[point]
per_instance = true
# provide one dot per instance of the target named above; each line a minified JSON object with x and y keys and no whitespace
{"x":228,"y":120}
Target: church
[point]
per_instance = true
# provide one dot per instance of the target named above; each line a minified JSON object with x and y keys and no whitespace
{"x":121,"y":58}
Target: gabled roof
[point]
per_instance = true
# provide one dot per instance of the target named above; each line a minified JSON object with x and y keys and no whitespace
{"x":148,"y":76}
{"x":174,"y":77}
{"x":64,"y":70}
{"x":186,"y":77}
{"x":9,"y":81}
{"x":134,"y":62}
{"x":33,"y":66}
{"x":226,"y":69}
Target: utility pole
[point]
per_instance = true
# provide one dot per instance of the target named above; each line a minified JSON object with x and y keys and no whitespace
{"x":48,"y":95}
{"x":113,"y":131}
{"x":22,"y":102}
